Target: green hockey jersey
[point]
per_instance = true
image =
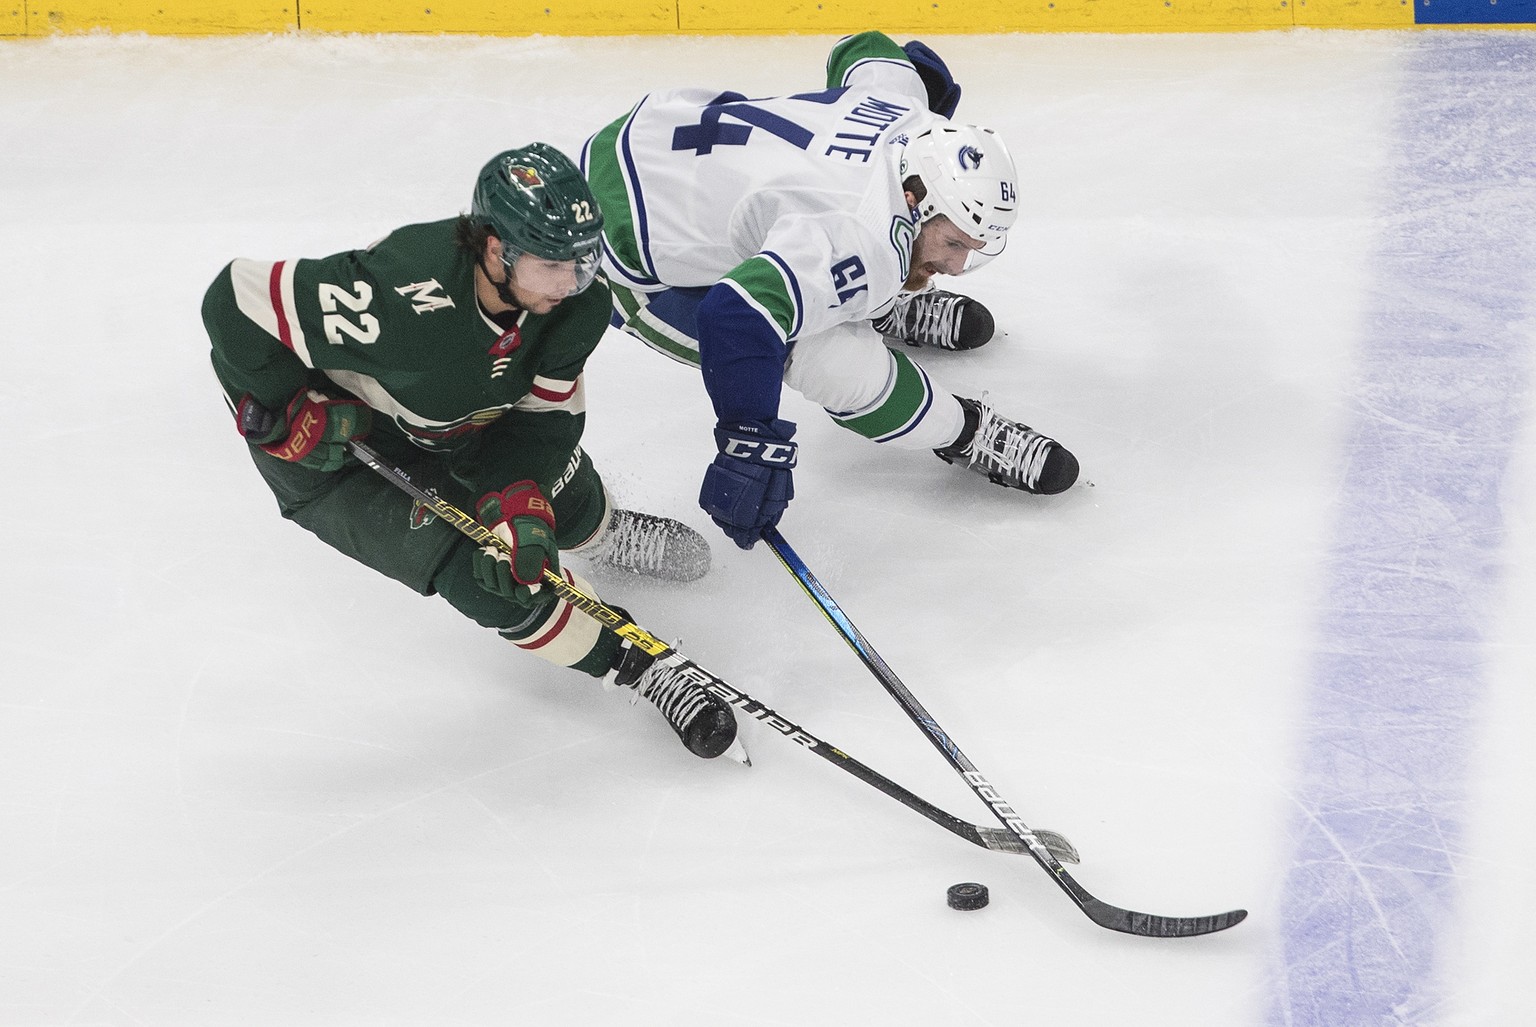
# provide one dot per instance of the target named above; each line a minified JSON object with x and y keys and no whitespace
{"x":398,"y":326}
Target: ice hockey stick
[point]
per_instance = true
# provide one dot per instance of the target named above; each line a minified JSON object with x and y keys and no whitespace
{"x":1010,"y":841}
{"x":1101,"y":913}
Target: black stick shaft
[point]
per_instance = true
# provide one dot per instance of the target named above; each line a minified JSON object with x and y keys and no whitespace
{"x":988,"y":838}
{"x":1100,"y":912}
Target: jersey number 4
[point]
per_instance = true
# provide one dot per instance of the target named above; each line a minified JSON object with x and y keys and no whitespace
{"x":337,"y":324}
{"x":710,"y":133}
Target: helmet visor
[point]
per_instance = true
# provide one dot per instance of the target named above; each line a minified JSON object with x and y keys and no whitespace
{"x":983,"y":256}
{"x":553,"y":278}
{"x":954,"y":250}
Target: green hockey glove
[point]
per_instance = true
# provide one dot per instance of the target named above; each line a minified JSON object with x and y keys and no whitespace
{"x":312,"y":431}
{"x":521,"y":517}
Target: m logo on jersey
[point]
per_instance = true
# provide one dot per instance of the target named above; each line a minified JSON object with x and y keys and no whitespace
{"x":424,"y":298}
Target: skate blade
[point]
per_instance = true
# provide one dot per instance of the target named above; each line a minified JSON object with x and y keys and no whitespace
{"x":738,"y":752}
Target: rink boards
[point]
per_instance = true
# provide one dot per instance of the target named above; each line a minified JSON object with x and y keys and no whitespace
{"x":705,"y":17}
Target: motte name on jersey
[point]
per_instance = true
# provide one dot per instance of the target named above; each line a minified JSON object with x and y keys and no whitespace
{"x":872,"y":113}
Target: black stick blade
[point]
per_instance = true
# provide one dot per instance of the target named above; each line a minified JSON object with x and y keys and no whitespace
{"x":1148,"y":925}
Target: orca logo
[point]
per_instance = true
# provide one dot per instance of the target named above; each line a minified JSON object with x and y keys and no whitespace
{"x":970,"y":158}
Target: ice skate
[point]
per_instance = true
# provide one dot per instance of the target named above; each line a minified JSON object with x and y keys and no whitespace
{"x":704,"y":722}
{"x":657,"y":547}
{"x":1010,"y":453}
{"x":937,"y":319}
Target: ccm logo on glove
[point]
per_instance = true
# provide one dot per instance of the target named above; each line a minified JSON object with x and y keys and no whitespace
{"x":760,"y":452}
{"x":750,"y":483}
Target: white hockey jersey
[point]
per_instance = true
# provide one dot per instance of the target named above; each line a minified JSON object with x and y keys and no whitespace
{"x":794,"y":201}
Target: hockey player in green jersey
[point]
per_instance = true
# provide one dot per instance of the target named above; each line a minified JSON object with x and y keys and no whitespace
{"x":457,"y":349}
{"x":774,"y":241}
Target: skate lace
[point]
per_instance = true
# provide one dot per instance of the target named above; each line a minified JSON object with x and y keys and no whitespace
{"x":678,"y":699}
{"x":656,"y":546}
{"x":636,"y":541}
{"x":932,"y":318}
{"x":1004,"y":447}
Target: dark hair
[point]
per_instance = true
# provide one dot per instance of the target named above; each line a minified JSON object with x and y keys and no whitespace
{"x":470,"y":235}
{"x":915,"y":186}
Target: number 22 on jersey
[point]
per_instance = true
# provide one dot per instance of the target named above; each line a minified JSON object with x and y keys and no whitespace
{"x":337,"y":324}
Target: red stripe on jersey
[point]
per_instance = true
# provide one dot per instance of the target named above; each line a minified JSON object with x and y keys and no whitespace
{"x":559,"y":626}
{"x":551,"y":396}
{"x":275,"y":290}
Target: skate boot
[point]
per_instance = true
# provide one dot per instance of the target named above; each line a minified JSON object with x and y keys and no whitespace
{"x":704,"y":722}
{"x":1010,"y":453}
{"x":933,"y":317}
{"x":658,"y":547}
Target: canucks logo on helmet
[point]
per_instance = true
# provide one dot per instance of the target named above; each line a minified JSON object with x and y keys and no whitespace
{"x":982,"y":201}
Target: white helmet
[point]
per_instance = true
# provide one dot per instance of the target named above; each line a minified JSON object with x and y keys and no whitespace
{"x":970,"y":179}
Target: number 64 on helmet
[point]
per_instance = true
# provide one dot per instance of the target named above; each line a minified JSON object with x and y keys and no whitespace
{"x":970,"y":179}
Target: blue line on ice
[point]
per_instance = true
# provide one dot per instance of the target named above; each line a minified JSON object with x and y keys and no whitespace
{"x":1397,"y":677}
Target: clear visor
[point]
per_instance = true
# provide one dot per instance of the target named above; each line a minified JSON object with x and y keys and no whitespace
{"x":554,"y":278}
{"x":983,"y":256}
{"x":974,"y":258}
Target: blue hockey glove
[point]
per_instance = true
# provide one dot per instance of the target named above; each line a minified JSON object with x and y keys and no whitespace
{"x":749,"y":486}
{"x":943,"y":90}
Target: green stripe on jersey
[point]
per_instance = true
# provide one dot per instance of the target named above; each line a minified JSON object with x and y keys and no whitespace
{"x":639,"y":322}
{"x":907,"y":396}
{"x":862,"y":47}
{"x":766,"y":288}
{"x":606,"y":177}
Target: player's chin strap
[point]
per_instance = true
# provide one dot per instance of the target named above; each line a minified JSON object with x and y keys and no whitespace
{"x":503,"y":289}
{"x":1101,"y":913}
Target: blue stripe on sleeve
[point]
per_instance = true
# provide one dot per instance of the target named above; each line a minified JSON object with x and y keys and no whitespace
{"x":741,"y":355}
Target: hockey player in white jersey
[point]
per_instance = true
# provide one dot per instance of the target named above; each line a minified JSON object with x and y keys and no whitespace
{"x":759,"y":239}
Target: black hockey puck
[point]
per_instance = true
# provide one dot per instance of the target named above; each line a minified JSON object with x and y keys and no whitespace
{"x":969,"y":895}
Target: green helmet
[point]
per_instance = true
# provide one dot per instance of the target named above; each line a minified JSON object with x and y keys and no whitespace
{"x":536,"y":201}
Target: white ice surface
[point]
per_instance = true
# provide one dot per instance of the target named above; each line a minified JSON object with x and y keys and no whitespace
{"x":243,"y":781}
